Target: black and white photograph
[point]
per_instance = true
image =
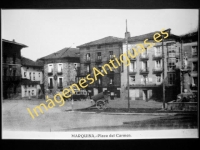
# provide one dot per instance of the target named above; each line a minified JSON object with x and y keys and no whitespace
{"x":99,"y":73}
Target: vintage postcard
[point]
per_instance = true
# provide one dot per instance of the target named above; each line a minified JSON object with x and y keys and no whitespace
{"x":99,"y":73}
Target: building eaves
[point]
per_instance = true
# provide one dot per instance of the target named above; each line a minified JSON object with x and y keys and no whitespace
{"x":13,"y":42}
{"x":105,"y":40}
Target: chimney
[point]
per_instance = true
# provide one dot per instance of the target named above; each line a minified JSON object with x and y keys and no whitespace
{"x":127,"y":34}
{"x":13,"y":40}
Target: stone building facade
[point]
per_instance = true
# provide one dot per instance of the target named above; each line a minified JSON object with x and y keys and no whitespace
{"x":96,"y":54}
{"x":11,"y":69}
{"x":146,"y":70}
{"x":60,"y":70}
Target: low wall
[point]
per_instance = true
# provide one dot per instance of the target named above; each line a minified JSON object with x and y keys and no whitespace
{"x":185,"y":106}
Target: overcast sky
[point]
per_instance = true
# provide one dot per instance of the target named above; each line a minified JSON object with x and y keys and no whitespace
{"x":47,"y":31}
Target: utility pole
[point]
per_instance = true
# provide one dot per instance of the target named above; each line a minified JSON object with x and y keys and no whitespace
{"x":163,"y":73}
{"x":168,"y":30}
{"x":127,"y":36}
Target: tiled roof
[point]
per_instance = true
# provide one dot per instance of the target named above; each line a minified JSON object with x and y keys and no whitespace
{"x":29,"y":62}
{"x":149,"y":36}
{"x":64,"y":53}
{"x":13,"y":42}
{"x":106,"y":40}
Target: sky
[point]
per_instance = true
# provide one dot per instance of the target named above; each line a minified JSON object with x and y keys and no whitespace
{"x":46,"y":31}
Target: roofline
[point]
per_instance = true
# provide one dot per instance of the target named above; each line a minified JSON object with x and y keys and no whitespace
{"x":80,"y":46}
{"x":12,"y":42}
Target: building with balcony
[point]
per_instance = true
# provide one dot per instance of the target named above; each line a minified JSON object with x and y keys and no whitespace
{"x":11,"y":68}
{"x":60,"y":69}
{"x":146,"y":70}
{"x":96,"y":54}
{"x":190,"y":56}
{"x":32,"y":78}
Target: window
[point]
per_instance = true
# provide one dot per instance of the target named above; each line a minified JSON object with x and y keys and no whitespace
{"x":144,"y":80}
{"x":50,"y":82}
{"x":32,"y":92}
{"x":194,"y":50}
{"x":25,"y":93}
{"x":5,"y":71}
{"x":111,"y":80}
{"x":33,"y":75}
{"x":132,"y":66}
{"x":14,"y":73}
{"x":195,"y":81}
{"x":133,"y":78}
{"x":144,"y":65}
{"x":158,"y":64}
{"x":171,"y":50}
{"x":39,"y":74}
{"x":171,"y":78}
{"x":99,"y":81}
{"x":88,"y":56}
{"x":99,"y":46}
{"x":30,"y":75}
{"x":60,"y":68}
{"x":99,"y":56}
{"x":60,"y":82}
{"x":88,"y":48}
{"x":158,"y":78}
{"x":195,"y":67}
{"x":111,"y":54}
{"x":24,"y":74}
{"x":171,"y":63}
{"x":158,"y":50}
{"x":4,"y":59}
{"x":88,"y":68}
{"x":50,"y":68}
{"x":14,"y":58}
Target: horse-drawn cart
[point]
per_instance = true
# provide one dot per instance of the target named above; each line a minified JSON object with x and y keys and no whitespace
{"x":101,"y":100}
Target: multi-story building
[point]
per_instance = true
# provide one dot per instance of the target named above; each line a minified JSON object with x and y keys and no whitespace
{"x":32,"y":78}
{"x":96,"y":54}
{"x":11,"y":68}
{"x":60,"y":69}
{"x":146,"y":70}
{"x":190,"y":53}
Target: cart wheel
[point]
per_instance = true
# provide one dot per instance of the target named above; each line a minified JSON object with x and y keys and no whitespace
{"x":100,"y":105}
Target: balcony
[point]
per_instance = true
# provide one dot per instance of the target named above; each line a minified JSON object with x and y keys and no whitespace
{"x":144,"y":71}
{"x":157,"y":70}
{"x":156,"y":57}
{"x":143,"y":85}
{"x":60,"y":86}
{"x":144,"y":56}
{"x":50,"y":73}
{"x":132,"y":72}
{"x":50,"y":87}
{"x":88,"y":60}
{"x":98,"y":60}
{"x":11,"y":78}
{"x":110,"y":73}
{"x":60,"y":73}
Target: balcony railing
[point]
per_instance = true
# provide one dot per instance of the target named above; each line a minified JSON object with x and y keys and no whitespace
{"x":60,"y":86}
{"x":132,"y":72}
{"x":157,"y":70}
{"x":144,"y":71}
{"x":50,"y":86}
{"x":88,"y":60}
{"x":158,"y":56}
{"x":144,"y":85}
{"x":60,"y":73}
{"x":98,"y":60}
{"x":11,"y":78}
{"x":144,"y":56}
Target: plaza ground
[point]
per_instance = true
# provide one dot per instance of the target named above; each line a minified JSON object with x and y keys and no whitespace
{"x":15,"y":116}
